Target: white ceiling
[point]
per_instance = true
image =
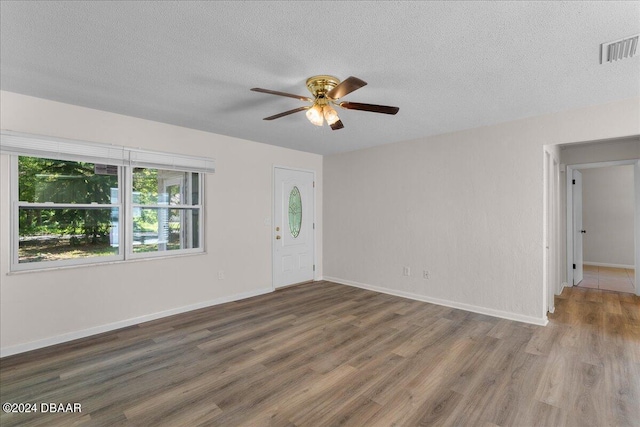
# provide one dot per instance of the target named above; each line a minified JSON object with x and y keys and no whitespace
{"x":447,"y":65}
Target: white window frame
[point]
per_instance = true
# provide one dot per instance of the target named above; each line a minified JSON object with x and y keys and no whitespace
{"x":16,"y":204}
{"x":130,"y":206}
{"x":17,"y":144}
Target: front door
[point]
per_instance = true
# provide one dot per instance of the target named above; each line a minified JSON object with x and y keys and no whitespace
{"x":293,"y":227}
{"x":577,"y":227}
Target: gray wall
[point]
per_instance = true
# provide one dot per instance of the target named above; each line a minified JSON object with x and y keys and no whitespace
{"x":607,"y":209}
{"x":602,"y":151}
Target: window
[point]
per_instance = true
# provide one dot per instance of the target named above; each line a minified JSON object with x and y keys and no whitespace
{"x":295,"y":212}
{"x":88,"y":203}
{"x":166,"y":211}
{"x":67,"y":211}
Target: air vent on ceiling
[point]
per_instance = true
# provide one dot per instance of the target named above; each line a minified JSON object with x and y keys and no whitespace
{"x":619,"y":49}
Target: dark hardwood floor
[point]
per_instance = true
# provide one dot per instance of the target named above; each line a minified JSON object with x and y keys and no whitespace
{"x":323,"y":354}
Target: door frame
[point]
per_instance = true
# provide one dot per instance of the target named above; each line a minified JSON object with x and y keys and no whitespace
{"x":273,"y":218}
{"x":552,"y":273}
{"x":575,"y":177}
{"x":569,"y":226}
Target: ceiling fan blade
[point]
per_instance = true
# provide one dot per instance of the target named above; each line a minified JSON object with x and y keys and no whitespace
{"x":346,"y":87}
{"x":275,"y":92}
{"x":385,"y":109}
{"x":337,"y":125}
{"x":286,"y":113}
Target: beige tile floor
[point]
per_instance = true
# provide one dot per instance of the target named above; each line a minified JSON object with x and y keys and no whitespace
{"x":608,"y":278}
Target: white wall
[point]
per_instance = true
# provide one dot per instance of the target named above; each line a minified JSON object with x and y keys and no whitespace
{"x":608,"y":215}
{"x":39,"y":308}
{"x":467,"y":206}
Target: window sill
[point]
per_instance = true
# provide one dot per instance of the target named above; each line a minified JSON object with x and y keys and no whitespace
{"x":97,"y":264}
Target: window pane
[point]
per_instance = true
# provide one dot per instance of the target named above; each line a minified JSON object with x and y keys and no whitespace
{"x":62,"y":181}
{"x":159,"y":187}
{"x":157,"y":229}
{"x":65,"y":234}
{"x":295,"y":212}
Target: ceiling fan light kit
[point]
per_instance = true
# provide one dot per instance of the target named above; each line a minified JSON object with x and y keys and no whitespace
{"x":326,"y":91}
{"x":330,"y":115}
{"x":314,"y":114}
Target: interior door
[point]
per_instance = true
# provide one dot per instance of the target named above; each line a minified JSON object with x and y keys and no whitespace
{"x":578,"y":232}
{"x":293,"y":227}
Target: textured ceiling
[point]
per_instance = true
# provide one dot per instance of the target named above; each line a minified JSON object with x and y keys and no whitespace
{"x":447,"y":65}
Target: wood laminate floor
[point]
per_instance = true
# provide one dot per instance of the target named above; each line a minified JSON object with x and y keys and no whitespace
{"x":324,"y":354}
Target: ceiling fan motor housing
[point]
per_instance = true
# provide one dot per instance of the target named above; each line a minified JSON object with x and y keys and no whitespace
{"x":320,"y":85}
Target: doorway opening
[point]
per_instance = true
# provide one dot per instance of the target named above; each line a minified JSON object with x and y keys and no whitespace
{"x":603,"y":204}
{"x":559,"y":163}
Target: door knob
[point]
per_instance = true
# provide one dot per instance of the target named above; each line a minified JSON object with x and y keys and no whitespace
{"x":277,"y":228}
{"x":583,"y":231}
{"x":277,"y":237}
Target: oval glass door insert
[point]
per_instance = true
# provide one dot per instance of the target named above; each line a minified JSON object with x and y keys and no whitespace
{"x":295,"y":212}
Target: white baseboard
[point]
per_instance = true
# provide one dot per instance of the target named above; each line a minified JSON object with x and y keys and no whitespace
{"x":562,"y":286}
{"x":542,"y":321}
{"x":604,"y":264}
{"x":46,"y":342}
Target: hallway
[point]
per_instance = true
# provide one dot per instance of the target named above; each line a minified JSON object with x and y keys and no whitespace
{"x":608,"y":279}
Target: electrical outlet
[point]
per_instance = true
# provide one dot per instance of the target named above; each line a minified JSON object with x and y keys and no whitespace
{"x":406,"y":271}
{"x":425,"y":274}
{"x":220,"y":275}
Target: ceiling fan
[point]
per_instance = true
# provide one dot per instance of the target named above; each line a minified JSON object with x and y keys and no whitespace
{"x":326,"y":91}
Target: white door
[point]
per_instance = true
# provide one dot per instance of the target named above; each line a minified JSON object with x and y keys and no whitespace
{"x":578,"y":232}
{"x":293,"y":227}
